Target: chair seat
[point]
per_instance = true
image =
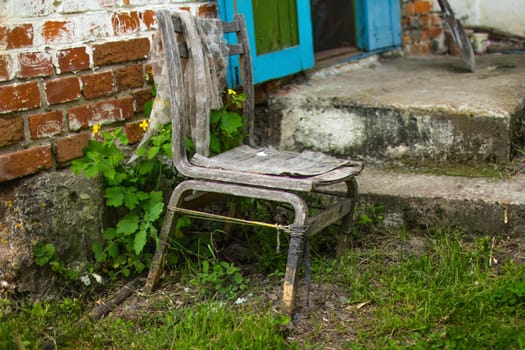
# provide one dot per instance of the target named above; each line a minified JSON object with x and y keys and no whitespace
{"x":269,"y":161}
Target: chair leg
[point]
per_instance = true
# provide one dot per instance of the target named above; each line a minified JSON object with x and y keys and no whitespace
{"x":347,"y":221}
{"x":157,"y":262}
{"x":295,"y":255}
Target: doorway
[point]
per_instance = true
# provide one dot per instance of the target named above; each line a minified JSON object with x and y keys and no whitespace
{"x":334,"y":28}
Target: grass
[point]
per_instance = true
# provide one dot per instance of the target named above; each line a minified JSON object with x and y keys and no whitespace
{"x":448,"y":294}
{"x":450,"y":297}
{"x":489,"y":171}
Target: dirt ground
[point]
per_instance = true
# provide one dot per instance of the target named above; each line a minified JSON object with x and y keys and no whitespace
{"x":330,"y":320}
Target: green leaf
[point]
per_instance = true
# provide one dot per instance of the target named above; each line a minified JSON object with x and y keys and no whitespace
{"x":78,"y":165}
{"x":128,"y":224}
{"x":139,"y":267}
{"x":114,"y":196}
{"x":145,"y":167}
{"x":140,"y":240}
{"x":98,"y":249}
{"x":215,"y":144}
{"x":156,"y":196}
{"x":147,"y":108}
{"x":205,"y":267}
{"x":131,"y":199}
{"x":113,"y":251}
{"x":231,"y":122}
{"x":141,"y":151}
{"x":154,"y":212}
{"x":153,"y":151}
{"x":215,"y":116}
{"x":166,"y":148}
{"x":43,"y":253}
{"x":90,"y":172}
{"x":110,"y":233}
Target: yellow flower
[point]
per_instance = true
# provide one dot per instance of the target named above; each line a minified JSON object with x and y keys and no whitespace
{"x":232,"y":92}
{"x":144,"y":125}
{"x":95,"y":130}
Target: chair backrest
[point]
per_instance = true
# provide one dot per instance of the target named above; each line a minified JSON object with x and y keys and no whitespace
{"x":176,"y":46}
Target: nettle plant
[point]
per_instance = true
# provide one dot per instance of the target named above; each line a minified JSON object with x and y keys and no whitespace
{"x":133,"y":190}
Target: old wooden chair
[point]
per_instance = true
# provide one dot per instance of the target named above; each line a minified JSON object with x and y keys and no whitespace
{"x":249,"y":170}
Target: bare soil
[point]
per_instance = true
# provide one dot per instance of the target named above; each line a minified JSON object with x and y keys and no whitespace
{"x":330,"y":320}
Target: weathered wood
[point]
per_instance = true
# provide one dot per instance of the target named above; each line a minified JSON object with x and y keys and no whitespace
{"x":247,"y":171}
{"x":295,"y":256}
{"x":329,"y":216}
{"x":105,"y":307}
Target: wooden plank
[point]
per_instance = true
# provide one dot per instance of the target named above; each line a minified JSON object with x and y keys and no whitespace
{"x":276,"y":25}
{"x":288,"y":30}
{"x":329,"y":216}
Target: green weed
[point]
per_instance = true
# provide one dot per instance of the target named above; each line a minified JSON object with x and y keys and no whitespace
{"x":448,"y":298}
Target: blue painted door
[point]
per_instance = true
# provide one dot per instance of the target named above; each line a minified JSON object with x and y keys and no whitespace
{"x":378,"y":24}
{"x":275,"y":63}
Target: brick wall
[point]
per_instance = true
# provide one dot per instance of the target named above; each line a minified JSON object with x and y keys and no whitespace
{"x":67,"y":65}
{"x":422,"y":30}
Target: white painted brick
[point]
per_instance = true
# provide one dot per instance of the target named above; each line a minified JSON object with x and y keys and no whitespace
{"x":3,"y":9}
{"x":93,"y":26}
{"x":75,"y":6}
{"x":30,"y":8}
{"x":12,"y":67}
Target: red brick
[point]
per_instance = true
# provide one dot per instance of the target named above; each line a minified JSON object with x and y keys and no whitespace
{"x":435,"y":32}
{"x":6,"y":68}
{"x":436,"y":20}
{"x":70,"y":147}
{"x":25,"y":162}
{"x":97,"y":84}
{"x":103,"y":112}
{"x":46,"y":124}
{"x":148,"y":18}
{"x":20,"y":36}
{"x":425,"y":35}
{"x":407,"y":39}
{"x":19,"y":97}
{"x":125,"y":22}
{"x":73,"y":59}
{"x":57,"y":32}
{"x":410,"y":9}
{"x":11,"y":131}
{"x":62,"y":90}
{"x":207,"y":11}
{"x":121,"y":51}
{"x":422,"y":7}
{"x":140,"y":98}
{"x":134,"y":132}
{"x":425,"y":21}
{"x":34,"y":64}
{"x":129,"y":77}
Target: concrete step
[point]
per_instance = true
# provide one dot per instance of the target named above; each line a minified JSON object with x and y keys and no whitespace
{"x":421,"y":201}
{"x":424,"y":109}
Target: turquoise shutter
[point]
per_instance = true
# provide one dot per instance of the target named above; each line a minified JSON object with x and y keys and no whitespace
{"x":378,"y":24}
{"x":278,"y":63}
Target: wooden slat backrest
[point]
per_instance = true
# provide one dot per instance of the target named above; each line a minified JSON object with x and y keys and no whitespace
{"x":242,"y":49}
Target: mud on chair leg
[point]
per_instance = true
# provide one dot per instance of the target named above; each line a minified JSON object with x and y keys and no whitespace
{"x":295,"y":256}
{"x":157,"y":263}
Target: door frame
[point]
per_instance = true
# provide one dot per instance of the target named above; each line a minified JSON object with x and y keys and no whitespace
{"x":289,"y":60}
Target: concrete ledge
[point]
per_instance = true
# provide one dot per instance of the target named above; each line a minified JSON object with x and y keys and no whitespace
{"x":417,"y":201}
{"x":407,"y":109}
